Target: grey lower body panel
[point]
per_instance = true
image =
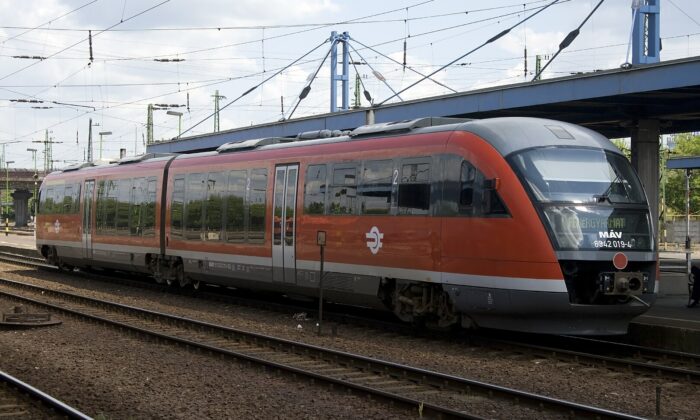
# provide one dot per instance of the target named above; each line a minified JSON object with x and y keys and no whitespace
{"x":543,"y":312}
{"x":349,"y":289}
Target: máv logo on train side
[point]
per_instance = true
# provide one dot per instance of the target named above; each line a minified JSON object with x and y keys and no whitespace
{"x":374,"y":239}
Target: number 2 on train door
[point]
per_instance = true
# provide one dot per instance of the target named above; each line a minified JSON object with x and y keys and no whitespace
{"x":284,"y":224}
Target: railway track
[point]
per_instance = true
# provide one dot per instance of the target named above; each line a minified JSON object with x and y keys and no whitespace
{"x":608,"y":355}
{"x":432,"y":394}
{"x":20,"y":400}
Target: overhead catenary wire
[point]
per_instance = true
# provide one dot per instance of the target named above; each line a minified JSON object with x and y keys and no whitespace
{"x":568,"y":40}
{"x":377,"y":74}
{"x":408,"y":67}
{"x":30,"y":29}
{"x":83,"y":40}
{"x":255,"y":87}
{"x":490,"y":40}
{"x":305,"y":92}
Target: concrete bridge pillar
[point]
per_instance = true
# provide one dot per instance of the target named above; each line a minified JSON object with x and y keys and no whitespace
{"x":21,"y":200}
{"x":645,"y":160}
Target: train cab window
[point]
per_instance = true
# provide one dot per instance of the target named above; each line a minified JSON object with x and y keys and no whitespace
{"x":343,"y":192}
{"x":414,"y":187}
{"x":476,"y":198}
{"x":256,"y":205}
{"x":123,"y":202}
{"x":194,"y":203}
{"x":235,"y":206}
{"x":100,"y":206}
{"x":177,"y":207}
{"x":214,"y":206}
{"x":58,"y":194}
{"x":376,"y":186}
{"x":315,"y":190}
{"x":138,"y":206}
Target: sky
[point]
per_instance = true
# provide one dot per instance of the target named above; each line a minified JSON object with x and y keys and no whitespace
{"x":232,"y":46}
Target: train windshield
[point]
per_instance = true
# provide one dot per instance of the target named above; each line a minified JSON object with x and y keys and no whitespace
{"x":573,"y":175}
{"x":590,"y":198}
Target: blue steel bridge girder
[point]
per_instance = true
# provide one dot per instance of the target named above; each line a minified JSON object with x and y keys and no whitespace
{"x":646,"y":33}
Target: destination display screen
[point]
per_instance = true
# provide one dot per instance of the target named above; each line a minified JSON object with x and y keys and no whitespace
{"x":599,"y":228}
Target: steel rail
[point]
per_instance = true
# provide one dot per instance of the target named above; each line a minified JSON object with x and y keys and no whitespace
{"x":34,"y":394}
{"x":386,"y":380}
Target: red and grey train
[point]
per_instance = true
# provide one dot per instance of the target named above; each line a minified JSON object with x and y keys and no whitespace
{"x":511,"y":223}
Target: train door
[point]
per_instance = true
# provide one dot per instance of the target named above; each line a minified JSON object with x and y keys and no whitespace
{"x":284,"y":224}
{"x":88,"y":193}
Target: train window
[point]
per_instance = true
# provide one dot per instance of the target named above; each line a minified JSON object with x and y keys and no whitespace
{"x":235,"y":206}
{"x":100,"y":206}
{"x":194,"y":203}
{"x":58,"y":193}
{"x":343,"y":190}
{"x":138,"y":206}
{"x":475,"y":199}
{"x":414,"y":187}
{"x":469,"y":183}
{"x":376,"y":185}
{"x":110,"y":207}
{"x":123,"y":201}
{"x":76,"y":199}
{"x":46,"y":201}
{"x":214,"y":205}
{"x":177,"y":207}
{"x":67,"y":202}
{"x":256,"y":205}
{"x":149,"y":222}
{"x":315,"y":190}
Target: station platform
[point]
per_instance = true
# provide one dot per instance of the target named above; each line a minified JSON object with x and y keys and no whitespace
{"x":668,"y":323}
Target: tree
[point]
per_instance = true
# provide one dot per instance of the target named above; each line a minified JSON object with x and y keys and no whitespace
{"x":686,"y":145}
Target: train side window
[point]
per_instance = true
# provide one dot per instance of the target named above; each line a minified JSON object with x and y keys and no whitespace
{"x":138,"y":206}
{"x":110,"y":207}
{"x":67,"y":202}
{"x":46,"y":203}
{"x":76,"y":198}
{"x":149,"y":222}
{"x":100,"y":207}
{"x":177,"y":207}
{"x":123,"y":202}
{"x":414,"y":187}
{"x":194,"y":203}
{"x":476,"y":199}
{"x":58,"y":194}
{"x":257,"y":194}
{"x":214,"y":205}
{"x":469,"y":188}
{"x":375,"y":187}
{"x":315,"y":190}
{"x":343,"y":190}
{"x":235,"y":206}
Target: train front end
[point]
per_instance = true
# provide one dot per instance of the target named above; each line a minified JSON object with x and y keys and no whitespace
{"x":595,"y":211}
{"x":579,"y":209}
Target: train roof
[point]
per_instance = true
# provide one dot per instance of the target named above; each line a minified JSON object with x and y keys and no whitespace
{"x":506,"y":134}
{"x":512,"y":134}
